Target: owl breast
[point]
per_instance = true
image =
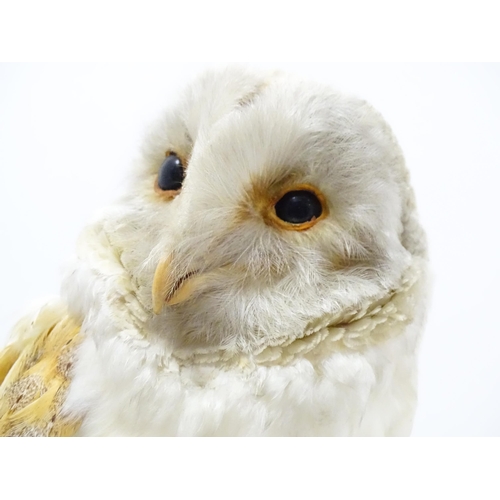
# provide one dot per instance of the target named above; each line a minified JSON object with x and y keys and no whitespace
{"x":343,"y":394}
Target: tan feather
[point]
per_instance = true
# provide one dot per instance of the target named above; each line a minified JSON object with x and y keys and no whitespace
{"x":35,"y":373}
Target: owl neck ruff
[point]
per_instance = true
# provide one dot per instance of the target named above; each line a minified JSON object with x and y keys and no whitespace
{"x":375,"y":321}
{"x":371,"y":322}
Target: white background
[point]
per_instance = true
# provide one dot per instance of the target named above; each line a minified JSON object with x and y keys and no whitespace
{"x":68,"y":134}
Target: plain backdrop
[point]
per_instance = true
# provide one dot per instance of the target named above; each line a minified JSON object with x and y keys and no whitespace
{"x":68,"y":134}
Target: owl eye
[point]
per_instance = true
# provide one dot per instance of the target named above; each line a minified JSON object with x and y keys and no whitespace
{"x":171,"y":173}
{"x":298,"y":207}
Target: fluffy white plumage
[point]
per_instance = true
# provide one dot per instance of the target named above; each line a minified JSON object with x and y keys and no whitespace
{"x":278,"y":331}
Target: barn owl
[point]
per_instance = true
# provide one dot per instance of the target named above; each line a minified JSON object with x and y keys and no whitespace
{"x":264,"y":275}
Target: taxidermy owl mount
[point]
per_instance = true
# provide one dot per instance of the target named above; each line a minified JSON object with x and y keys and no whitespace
{"x":264,"y":275}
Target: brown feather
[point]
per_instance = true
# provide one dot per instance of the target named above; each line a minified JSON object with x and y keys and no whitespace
{"x":35,"y":372}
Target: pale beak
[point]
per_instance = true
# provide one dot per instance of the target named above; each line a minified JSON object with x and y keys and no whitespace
{"x":169,"y":288}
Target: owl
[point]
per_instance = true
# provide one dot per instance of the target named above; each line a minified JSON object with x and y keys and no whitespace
{"x":263,"y":275}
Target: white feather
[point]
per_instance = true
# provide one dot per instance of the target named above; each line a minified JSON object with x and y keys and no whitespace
{"x":267,"y":286}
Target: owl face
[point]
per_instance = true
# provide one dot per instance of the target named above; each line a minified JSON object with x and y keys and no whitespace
{"x":260,"y":204}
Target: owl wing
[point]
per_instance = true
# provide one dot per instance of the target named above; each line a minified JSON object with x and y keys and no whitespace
{"x":35,"y":374}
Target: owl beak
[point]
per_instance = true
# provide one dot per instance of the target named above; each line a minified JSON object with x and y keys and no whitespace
{"x":170,"y":288}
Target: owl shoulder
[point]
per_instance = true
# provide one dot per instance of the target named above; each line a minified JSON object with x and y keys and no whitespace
{"x":35,"y":374}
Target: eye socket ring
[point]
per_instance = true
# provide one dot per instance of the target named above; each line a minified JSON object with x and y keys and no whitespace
{"x":298,"y":208}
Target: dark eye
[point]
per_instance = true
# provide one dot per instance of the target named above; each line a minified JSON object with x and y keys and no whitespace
{"x":297,"y":207}
{"x":171,"y":173}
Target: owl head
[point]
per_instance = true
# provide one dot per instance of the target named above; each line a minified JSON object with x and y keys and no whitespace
{"x":260,"y":203}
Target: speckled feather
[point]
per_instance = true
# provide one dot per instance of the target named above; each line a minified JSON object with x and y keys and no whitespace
{"x":35,"y":375}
